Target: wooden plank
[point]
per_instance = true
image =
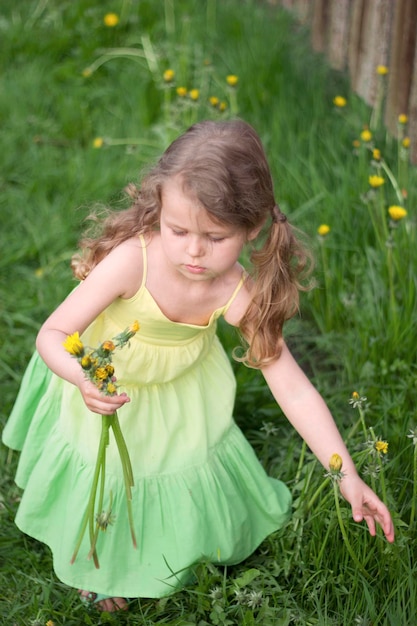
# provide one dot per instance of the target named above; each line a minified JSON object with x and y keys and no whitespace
{"x":371,"y":46}
{"x":339,"y":34}
{"x":412,"y":111}
{"x":403,"y":44}
{"x":319,"y":21}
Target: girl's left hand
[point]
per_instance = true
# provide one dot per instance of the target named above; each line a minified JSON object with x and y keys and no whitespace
{"x":366,"y":505}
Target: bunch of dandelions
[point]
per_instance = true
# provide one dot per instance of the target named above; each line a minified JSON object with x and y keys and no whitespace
{"x":98,"y":368}
{"x":336,"y":475}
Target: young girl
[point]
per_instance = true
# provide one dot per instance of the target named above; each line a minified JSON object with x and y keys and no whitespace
{"x":171,"y":261}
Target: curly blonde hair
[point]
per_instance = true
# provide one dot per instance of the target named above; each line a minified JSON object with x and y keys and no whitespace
{"x":223,"y":164}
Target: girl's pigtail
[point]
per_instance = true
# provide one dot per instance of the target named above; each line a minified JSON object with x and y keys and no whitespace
{"x":280,"y":267}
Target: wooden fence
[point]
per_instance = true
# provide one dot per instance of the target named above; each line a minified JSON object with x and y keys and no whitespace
{"x":359,"y":35}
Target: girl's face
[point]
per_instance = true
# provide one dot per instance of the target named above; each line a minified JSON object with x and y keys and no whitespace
{"x":195,"y":245}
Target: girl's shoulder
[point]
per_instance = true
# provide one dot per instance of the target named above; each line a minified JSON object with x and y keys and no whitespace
{"x":241,"y":301}
{"x":123,"y":265}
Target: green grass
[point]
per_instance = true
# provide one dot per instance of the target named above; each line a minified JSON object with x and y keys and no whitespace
{"x":356,"y":330}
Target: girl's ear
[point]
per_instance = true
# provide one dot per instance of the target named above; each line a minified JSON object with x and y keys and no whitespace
{"x":252,"y":234}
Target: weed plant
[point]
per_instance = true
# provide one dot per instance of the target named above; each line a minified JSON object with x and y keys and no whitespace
{"x":84,"y":107}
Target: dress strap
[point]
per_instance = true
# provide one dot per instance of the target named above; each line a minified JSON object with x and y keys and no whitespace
{"x":236,"y":291}
{"x":145,"y":259}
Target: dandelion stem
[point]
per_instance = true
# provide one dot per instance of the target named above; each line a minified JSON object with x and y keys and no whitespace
{"x":89,"y":517}
{"x":105,"y":427}
{"x":381,"y":473}
{"x":124,"y":453}
{"x":353,"y":429}
{"x":127,"y":472}
{"x":343,"y":530}
{"x":362,"y":419}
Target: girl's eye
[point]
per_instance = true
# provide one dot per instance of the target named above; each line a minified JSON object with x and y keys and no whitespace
{"x":217,"y":239}
{"x":179,"y":233}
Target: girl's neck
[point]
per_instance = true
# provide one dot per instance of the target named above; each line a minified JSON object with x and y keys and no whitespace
{"x":181,"y":299}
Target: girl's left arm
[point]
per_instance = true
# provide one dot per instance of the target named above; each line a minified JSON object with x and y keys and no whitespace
{"x":308,"y":413}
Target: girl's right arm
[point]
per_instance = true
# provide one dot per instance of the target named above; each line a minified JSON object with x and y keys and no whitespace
{"x":307,"y":412}
{"x":118,"y":275}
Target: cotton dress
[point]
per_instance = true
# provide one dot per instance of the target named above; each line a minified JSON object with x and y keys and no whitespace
{"x":200,"y":493}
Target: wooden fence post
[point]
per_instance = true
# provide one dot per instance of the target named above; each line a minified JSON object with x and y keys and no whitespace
{"x":370,"y":31}
{"x":339,"y":33}
{"x":319,"y":21}
{"x":403,"y":44}
{"x":412,"y":112}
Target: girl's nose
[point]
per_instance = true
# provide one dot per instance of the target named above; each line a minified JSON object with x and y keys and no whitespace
{"x":195,"y":246}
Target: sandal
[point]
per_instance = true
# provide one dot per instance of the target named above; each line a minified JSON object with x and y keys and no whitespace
{"x":90,"y":598}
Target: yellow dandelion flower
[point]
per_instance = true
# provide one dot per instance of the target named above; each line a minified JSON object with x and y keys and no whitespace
{"x":50,"y":623}
{"x":169,"y":75}
{"x":133,"y":328}
{"x":397,"y":213}
{"x":214,"y":101}
{"x":336,"y":462}
{"x":111,"y":389}
{"x":222,"y":106}
{"x":86,"y":362}
{"x":181,"y":91}
{"x":194,"y":94}
{"x":403,"y":118}
{"x":232,"y":80}
{"x":74,"y":345}
{"x":323,"y":230}
{"x":109,"y":370}
{"x":366,"y":135}
{"x":406,"y":142}
{"x":357,"y":401}
{"x":381,"y":446}
{"x":376,"y":154}
{"x":100,"y":373}
{"x":356,"y":143}
{"x":376,"y":181}
{"x":382,"y":70}
{"x":108,"y":346}
{"x":39,"y":272}
{"x":339,"y":101}
{"x":98,"y":142}
{"x":87,"y":72}
{"x":111,"y":19}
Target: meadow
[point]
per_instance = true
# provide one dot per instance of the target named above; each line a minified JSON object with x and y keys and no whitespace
{"x":92,"y":92}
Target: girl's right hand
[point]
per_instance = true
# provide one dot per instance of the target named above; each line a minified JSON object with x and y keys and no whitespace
{"x":97,"y":401}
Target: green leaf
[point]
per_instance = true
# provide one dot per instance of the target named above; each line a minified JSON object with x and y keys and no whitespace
{"x":247,"y":578}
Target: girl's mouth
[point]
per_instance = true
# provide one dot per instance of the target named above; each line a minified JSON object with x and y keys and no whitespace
{"x":195,"y":269}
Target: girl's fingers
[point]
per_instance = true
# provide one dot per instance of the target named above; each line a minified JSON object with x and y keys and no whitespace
{"x":105,"y":405}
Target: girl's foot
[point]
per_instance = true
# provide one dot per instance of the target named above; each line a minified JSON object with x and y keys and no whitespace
{"x":103,"y":603}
